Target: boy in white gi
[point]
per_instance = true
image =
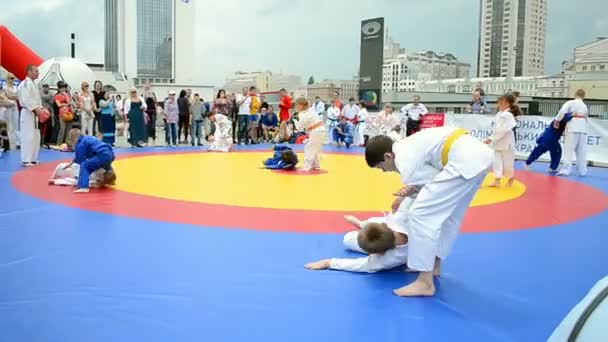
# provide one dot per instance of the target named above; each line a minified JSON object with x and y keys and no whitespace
{"x":383,"y":238}
{"x":309,"y":120}
{"x":503,"y":140}
{"x":450,"y":165}
{"x":333,"y":113}
{"x":575,"y":140}
{"x":67,"y":175}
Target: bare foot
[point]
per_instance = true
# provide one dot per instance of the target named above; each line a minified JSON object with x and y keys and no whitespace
{"x":510,"y":182}
{"x":496,"y":184}
{"x":526,"y":167}
{"x":51,"y":181}
{"x":421,"y":287}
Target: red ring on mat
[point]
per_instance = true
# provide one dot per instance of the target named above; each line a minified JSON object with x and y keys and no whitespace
{"x":548,"y":201}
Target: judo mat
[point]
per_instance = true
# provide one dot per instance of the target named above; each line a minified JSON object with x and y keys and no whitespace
{"x":195,"y":246}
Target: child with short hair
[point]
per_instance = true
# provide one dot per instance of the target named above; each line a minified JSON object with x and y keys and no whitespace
{"x":67,"y":175}
{"x":91,"y":154}
{"x":343,"y":133}
{"x":385,"y":239}
{"x":309,"y":120}
{"x":549,"y":141}
{"x":270,"y":123}
{"x":284,"y":158}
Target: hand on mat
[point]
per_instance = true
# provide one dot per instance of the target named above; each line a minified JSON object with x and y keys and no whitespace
{"x":351,"y":219}
{"x":319,"y":265}
{"x":397,"y":203}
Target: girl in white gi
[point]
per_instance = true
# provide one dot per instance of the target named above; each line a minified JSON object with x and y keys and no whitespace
{"x":31,"y":102}
{"x":575,"y":140}
{"x":503,"y":140}
{"x":309,"y":121}
{"x":449,"y":165}
{"x":361,"y":126}
{"x":221,"y":141}
{"x":333,"y":114}
{"x":388,"y":120}
{"x":383,"y":238}
{"x":69,"y":176}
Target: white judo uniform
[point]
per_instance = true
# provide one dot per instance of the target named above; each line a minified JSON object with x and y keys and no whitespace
{"x":333,"y":113}
{"x":222,"y":141}
{"x":361,"y":127}
{"x":11,"y":115}
{"x":376,"y":262}
{"x":450,"y":166}
{"x":575,"y":140}
{"x":69,"y":176}
{"x":503,"y":142}
{"x":30,"y":100}
{"x":317,"y":135}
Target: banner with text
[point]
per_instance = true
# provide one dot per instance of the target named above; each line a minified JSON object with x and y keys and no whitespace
{"x":528,"y":130}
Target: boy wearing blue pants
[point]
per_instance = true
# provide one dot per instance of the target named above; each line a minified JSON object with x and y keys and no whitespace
{"x":91,"y":154}
{"x":343,"y":133}
{"x":549,"y":141}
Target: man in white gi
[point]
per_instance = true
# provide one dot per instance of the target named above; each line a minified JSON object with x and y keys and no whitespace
{"x":351,"y":110}
{"x":575,"y":140}
{"x":30,"y":100}
{"x":450,"y":165}
{"x":411,"y":116}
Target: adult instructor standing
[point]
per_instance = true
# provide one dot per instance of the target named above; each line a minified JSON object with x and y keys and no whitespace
{"x":29,"y":98}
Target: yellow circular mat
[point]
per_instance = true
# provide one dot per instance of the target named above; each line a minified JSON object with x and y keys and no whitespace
{"x":237,"y":179}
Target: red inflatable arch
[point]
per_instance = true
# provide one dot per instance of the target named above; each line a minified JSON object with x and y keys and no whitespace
{"x":14,"y":55}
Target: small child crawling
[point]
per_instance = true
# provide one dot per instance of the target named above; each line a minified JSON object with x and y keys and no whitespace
{"x":284,"y":158}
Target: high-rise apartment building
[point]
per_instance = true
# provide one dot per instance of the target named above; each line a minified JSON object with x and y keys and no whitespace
{"x":150,"y":40}
{"x":512,"y":38}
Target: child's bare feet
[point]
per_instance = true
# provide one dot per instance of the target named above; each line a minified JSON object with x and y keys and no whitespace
{"x":51,"y":181}
{"x":81,"y":191}
{"x":422,"y":287}
{"x":496,"y":184}
{"x":526,"y":167}
{"x":510,"y":182}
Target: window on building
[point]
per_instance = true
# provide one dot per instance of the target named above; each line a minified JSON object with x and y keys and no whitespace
{"x":584,"y":68}
{"x":593,"y":68}
{"x":602,"y":67}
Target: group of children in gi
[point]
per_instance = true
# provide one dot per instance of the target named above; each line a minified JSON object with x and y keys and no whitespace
{"x":347,"y":125}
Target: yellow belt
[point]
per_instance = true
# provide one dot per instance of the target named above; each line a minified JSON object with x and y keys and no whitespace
{"x":445,"y":150}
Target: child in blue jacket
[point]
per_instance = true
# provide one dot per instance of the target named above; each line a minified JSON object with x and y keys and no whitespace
{"x":284,"y":159}
{"x":91,"y":154}
{"x":549,"y":141}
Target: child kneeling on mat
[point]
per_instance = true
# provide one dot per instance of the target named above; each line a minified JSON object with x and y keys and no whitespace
{"x":63,"y":176}
{"x":91,"y":154}
{"x":284,"y":159}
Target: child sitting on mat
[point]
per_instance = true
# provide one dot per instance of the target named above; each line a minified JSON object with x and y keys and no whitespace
{"x":91,"y":154}
{"x":284,"y":159}
{"x":383,"y":238}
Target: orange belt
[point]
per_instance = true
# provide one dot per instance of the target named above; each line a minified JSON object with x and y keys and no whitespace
{"x":317,"y":125}
{"x":579,"y":116}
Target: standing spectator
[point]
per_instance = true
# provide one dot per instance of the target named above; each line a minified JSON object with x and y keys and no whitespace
{"x":244,"y":103}
{"x":233,"y":118}
{"x":198,"y":110}
{"x":284,"y":107}
{"x":412,"y":113}
{"x":135,"y":108}
{"x":12,"y":112}
{"x":337,"y":100}
{"x":107,"y":119}
{"x":183,"y":103}
{"x":47,"y":129}
{"x":29,"y":98}
{"x":333,"y":114}
{"x":98,"y":94}
{"x":87,"y":108}
{"x":477,"y":105}
{"x":151,"y":103}
{"x":360,"y":129}
{"x":479,"y":89}
{"x":171,"y":113}
{"x":264,"y":104}
{"x":65,"y":108}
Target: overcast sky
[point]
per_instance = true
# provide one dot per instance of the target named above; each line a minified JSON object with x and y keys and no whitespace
{"x":304,"y":37}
